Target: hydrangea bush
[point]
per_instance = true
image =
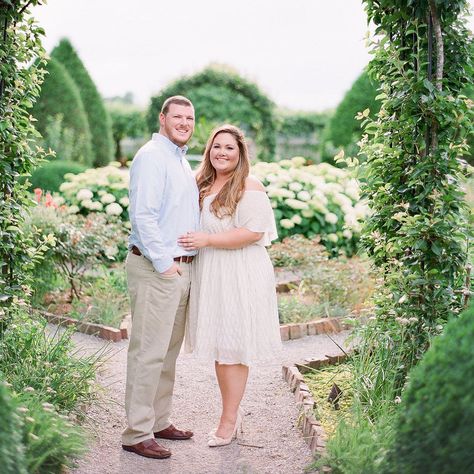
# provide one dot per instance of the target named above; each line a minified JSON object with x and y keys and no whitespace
{"x":314,"y":200}
{"x":103,"y":190}
{"x":311,"y":200}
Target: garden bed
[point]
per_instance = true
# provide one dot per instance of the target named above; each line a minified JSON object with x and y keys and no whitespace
{"x":315,"y":405}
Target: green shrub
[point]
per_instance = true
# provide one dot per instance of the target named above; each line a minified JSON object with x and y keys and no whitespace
{"x":49,"y":176}
{"x":12,"y":457}
{"x":97,"y":115}
{"x":60,"y":96}
{"x":296,"y":252}
{"x":79,"y":243}
{"x":105,"y":299}
{"x":435,"y":429}
{"x":343,"y":130}
{"x":33,"y":360}
{"x":51,"y":441}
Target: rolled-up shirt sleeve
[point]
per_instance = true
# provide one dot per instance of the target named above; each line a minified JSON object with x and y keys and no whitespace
{"x":147,"y":186}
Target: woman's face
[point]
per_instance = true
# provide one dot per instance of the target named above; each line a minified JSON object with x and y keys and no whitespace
{"x":224,"y":153}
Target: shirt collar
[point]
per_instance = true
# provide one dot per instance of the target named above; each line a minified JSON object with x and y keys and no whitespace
{"x":180,"y":150}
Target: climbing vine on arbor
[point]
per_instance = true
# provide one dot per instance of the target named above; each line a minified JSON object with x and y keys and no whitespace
{"x":417,"y":233}
{"x":22,"y":59}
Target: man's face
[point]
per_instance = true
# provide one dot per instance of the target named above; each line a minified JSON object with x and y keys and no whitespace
{"x":178,"y":123}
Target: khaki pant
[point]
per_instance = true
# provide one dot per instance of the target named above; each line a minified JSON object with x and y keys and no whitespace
{"x":159,"y":305}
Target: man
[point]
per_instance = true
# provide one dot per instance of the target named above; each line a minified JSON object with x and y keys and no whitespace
{"x":163,"y":206}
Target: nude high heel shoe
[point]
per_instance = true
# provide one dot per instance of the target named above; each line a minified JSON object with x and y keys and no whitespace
{"x":214,"y":441}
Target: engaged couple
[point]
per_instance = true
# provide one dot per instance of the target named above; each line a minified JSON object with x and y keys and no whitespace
{"x":197,"y":267}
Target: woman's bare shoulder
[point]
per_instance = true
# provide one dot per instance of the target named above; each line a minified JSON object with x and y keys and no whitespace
{"x":253,"y":184}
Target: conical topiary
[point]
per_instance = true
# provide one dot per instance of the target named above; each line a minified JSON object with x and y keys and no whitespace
{"x":60,"y":97}
{"x":99,"y":120}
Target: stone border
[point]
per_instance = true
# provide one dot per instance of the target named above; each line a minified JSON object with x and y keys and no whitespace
{"x":100,"y":330}
{"x":287,"y":331}
{"x":313,"y":432}
{"x":312,"y":328}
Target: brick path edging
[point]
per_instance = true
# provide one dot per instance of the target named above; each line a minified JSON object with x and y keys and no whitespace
{"x":287,"y":331}
{"x":313,"y":432}
{"x":100,"y":330}
{"x":318,"y":326}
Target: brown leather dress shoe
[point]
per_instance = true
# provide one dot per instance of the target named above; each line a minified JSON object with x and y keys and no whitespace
{"x":173,"y":433}
{"x":149,"y":449}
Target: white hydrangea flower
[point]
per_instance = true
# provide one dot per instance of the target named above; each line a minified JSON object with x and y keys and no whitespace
{"x":287,"y":193}
{"x":84,"y":194}
{"x":58,"y":200}
{"x":87,"y":204}
{"x":295,"y":186}
{"x":124,"y":201}
{"x":66,"y":186}
{"x":318,"y":206}
{"x":113,"y":209}
{"x":332,"y":238}
{"x":304,"y":196}
{"x":308,"y":213}
{"x":342,"y":200}
{"x":346,"y":233}
{"x":287,"y":223}
{"x":285,"y":163}
{"x":107,"y":198}
{"x":298,"y":161}
{"x":295,"y":204}
{"x":320,"y":197}
{"x":96,"y":206}
{"x":296,"y":219}
{"x":73,"y":209}
{"x":331,"y":218}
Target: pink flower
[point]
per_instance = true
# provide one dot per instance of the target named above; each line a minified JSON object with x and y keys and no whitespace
{"x":38,"y":194}
{"x":49,"y":201}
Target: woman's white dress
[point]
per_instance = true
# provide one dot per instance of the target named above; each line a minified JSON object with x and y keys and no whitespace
{"x":233,"y":310}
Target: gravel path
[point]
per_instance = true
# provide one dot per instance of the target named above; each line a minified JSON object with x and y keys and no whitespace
{"x":277,"y":445}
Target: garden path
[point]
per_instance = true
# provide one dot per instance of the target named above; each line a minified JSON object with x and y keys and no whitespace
{"x":272,"y":441}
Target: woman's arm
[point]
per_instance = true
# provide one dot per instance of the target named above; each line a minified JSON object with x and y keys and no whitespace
{"x":231,"y":239}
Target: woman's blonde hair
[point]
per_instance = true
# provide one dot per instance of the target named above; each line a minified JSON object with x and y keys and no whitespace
{"x":225,"y":202}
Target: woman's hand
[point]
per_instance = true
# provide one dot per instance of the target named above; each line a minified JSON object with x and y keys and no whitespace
{"x":194,"y":240}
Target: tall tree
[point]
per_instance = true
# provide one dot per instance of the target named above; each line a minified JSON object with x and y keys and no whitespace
{"x":343,"y":131}
{"x":97,"y":115}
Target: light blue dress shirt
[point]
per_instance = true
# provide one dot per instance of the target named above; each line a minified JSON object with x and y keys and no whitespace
{"x":164,"y":201}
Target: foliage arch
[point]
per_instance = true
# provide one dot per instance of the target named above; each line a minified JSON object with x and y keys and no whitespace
{"x":252,"y":102}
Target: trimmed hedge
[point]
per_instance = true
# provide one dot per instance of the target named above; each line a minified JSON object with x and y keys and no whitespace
{"x":50,"y":175}
{"x":435,"y":430}
{"x":223,"y":96}
{"x":97,"y":115}
{"x":60,"y":96}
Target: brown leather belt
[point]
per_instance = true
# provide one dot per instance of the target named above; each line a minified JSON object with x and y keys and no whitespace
{"x":185,"y":258}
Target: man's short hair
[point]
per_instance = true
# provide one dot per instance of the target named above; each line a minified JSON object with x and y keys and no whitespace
{"x":176,"y":99}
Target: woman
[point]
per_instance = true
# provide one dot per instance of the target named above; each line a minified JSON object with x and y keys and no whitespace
{"x":233,"y":306}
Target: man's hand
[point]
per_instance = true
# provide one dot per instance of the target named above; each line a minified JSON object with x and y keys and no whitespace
{"x":175,"y":268}
{"x":194,"y":240}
